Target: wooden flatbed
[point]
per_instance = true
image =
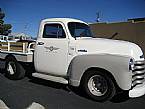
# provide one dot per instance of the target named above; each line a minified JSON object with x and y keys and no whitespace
{"x":22,"y":51}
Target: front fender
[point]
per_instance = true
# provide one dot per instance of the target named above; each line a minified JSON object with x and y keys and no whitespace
{"x":117,"y":65}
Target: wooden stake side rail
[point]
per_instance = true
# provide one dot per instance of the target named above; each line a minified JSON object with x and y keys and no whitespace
{"x":14,"y":46}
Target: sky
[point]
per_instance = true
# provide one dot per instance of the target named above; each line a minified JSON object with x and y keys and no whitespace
{"x":25,"y":15}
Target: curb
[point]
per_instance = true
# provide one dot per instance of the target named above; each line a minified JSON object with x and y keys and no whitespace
{"x":34,"y":105}
{"x":3,"y":105}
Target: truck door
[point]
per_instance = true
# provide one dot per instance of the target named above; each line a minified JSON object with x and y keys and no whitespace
{"x":51,"y":53}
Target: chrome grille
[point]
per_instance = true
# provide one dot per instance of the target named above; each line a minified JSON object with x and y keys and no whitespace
{"x":138,"y":76}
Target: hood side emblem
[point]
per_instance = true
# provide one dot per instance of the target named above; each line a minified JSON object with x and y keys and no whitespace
{"x":82,"y":50}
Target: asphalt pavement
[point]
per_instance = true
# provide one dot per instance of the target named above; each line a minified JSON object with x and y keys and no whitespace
{"x":22,"y":93}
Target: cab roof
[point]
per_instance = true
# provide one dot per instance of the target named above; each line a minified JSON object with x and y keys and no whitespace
{"x":64,"y":20}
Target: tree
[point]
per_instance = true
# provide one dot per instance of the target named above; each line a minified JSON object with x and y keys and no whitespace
{"x":5,"y":29}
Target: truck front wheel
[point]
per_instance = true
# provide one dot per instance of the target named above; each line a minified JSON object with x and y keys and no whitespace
{"x":98,"y":86}
{"x":14,"y":70}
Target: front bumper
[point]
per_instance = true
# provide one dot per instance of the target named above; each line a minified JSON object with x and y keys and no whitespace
{"x":137,"y":91}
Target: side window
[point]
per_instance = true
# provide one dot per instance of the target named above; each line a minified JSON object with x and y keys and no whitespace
{"x":53,"y":31}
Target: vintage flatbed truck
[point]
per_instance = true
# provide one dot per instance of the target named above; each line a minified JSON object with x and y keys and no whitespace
{"x":66,"y":52}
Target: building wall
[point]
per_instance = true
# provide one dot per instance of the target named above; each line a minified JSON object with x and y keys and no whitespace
{"x":133,"y":32}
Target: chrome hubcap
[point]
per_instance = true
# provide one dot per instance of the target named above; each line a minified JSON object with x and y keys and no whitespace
{"x":11,"y":68}
{"x":97,"y":85}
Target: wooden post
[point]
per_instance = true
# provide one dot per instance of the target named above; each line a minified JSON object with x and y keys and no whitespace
{"x":23,"y":47}
{"x":8,"y":46}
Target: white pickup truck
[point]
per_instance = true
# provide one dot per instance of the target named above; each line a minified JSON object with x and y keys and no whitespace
{"x":66,"y":52}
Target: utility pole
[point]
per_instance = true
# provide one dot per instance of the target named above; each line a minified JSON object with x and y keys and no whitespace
{"x":98,"y":17}
{"x":25,"y":29}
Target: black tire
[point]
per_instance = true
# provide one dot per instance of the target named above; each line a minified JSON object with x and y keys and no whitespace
{"x":96,"y":91}
{"x":17,"y":71}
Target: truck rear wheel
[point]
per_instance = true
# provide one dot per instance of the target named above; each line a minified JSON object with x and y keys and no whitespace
{"x":14,"y":70}
{"x":98,"y":86}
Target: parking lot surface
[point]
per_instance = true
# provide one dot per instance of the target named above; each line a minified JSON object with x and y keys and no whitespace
{"x":22,"y":93}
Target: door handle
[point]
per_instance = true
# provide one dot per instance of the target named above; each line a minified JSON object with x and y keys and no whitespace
{"x":40,"y":43}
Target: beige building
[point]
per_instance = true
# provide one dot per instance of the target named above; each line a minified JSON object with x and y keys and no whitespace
{"x":133,"y":30}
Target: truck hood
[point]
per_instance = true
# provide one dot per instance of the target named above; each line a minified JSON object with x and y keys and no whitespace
{"x":108,"y":46}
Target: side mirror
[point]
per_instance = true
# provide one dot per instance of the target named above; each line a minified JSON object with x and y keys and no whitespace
{"x":113,"y":36}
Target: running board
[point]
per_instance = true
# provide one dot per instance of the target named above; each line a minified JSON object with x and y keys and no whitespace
{"x":51,"y":78}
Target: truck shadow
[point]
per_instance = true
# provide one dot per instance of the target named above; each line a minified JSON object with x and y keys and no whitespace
{"x":119,"y":98}
{"x":2,"y":71}
{"x":122,"y":97}
{"x":67,"y":88}
{"x":46,"y":83}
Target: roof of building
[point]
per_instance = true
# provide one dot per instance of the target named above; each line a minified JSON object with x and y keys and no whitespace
{"x":137,"y":19}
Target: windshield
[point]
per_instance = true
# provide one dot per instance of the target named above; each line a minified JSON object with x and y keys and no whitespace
{"x":79,"y":29}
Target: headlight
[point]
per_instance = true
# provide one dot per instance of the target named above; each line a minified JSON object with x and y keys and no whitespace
{"x":142,"y":56}
{"x":131,"y":64}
